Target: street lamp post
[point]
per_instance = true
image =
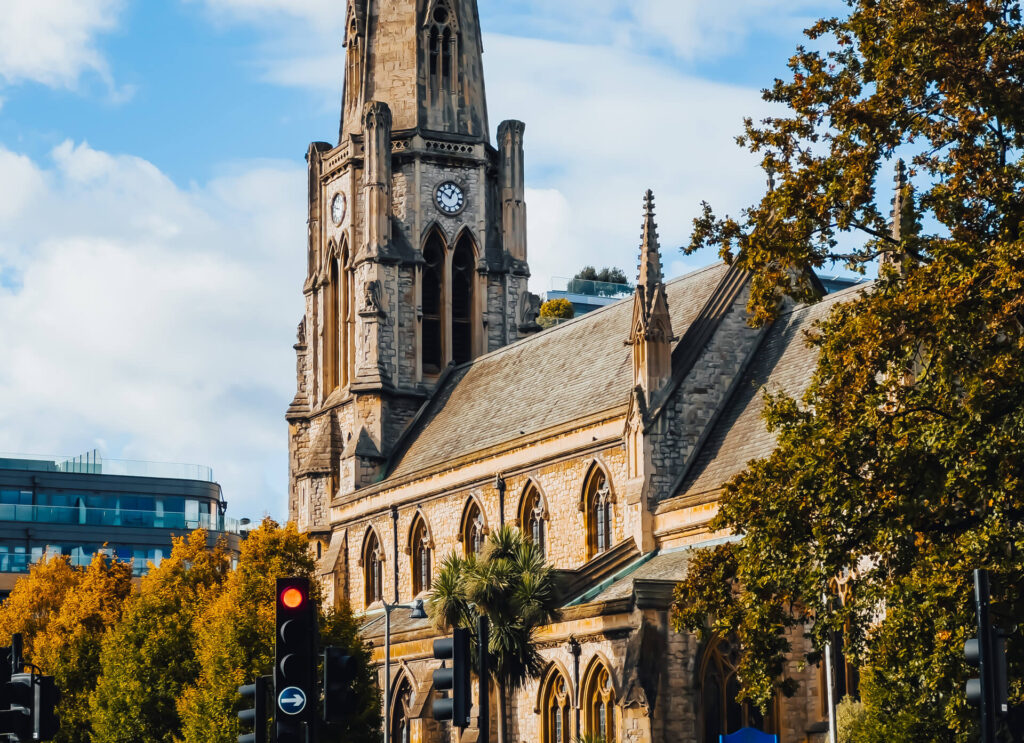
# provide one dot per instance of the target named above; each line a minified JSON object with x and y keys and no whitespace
{"x":416,"y":607}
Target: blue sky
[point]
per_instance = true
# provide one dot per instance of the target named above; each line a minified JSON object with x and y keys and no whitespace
{"x":152,"y":191}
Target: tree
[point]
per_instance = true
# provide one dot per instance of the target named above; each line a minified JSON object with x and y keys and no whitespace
{"x":63,"y":613}
{"x":236,"y":641}
{"x":898,"y":471}
{"x":554,"y":310}
{"x":36,"y":599}
{"x":150,"y":656}
{"x":512,"y":586}
{"x":607,"y":275}
{"x":559,"y":308}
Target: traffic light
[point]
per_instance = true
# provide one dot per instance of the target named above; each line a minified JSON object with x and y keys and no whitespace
{"x":339,"y":676}
{"x":28,"y":700}
{"x":454,"y":677}
{"x":45,"y":719}
{"x":993,"y":667}
{"x":35,"y":698}
{"x":257,"y":714}
{"x":295,"y":661}
{"x":987,"y":652}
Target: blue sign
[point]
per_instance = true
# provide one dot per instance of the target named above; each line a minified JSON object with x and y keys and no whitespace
{"x":292,"y":700}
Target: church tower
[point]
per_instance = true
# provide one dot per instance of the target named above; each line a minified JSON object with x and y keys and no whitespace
{"x":416,"y":255}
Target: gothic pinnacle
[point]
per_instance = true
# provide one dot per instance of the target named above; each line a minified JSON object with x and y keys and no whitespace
{"x":650,"y":275}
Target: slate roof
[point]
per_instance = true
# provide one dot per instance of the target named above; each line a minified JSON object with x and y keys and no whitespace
{"x":667,"y":566}
{"x":571,"y":372}
{"x":783,"y":363}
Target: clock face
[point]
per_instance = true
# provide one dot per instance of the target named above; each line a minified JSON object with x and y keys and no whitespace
{"x":338,"y":208}
{"x":450,"y":198}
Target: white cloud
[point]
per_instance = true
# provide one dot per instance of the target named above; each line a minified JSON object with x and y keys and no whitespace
{"x":602,"y":126}
{"x":153,"y":320}
{"x":53,"y":42}
{"x":697,"y":28}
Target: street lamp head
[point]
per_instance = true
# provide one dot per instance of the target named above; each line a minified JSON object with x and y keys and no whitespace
{"x":417,"y":610}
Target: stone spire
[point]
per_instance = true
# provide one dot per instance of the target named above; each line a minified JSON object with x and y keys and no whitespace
{"x":904,"y":219}
{"x":651,"y":331}
{"x":650,"y":277}
{"x":424,"y":58}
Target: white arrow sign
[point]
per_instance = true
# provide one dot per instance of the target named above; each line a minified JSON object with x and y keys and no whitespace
{"x":292,"y":700}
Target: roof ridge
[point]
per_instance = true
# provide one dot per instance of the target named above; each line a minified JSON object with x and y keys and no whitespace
{"x":828,"y":298}
{"x":584,"y":316}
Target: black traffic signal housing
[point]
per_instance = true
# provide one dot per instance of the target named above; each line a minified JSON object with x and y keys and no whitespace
{"x":257,"y":714}
{"x":454,"y":677}
{"x":28,"y":700}
{"x":339,"y":669}
{"x":990,"y":660}
{"x":294,"y":661}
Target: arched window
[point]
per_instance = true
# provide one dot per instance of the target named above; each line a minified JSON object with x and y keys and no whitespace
{"x":533,"y":517}
{"x":599,"y":705}
{"x":598,"y":513}
{"x":348,"y":318}
{"x":420,"y":548}
{"x":432,"y":348}
{"x":473,"y":531}
{"x":373,"y":569}
{"x":400,"y":715}
{"x":719,"y":686}
{"x":463,"y":276}
{"x":442,"y":43}
{"x":556,"y":709}
{"x":332,"y":314}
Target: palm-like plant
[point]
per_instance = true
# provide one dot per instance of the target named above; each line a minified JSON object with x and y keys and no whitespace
{"x":510,"y":584}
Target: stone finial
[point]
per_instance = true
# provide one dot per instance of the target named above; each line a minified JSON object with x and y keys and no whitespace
{"x":651,"y":331}
{"x":650,"y":276}
{"x":904,"y":220}
{"x":899,"y":200}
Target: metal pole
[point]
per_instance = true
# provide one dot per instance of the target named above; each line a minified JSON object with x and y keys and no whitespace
{"x":387,"y":673}
{"x":483,"y":641}
{"x":394,"y":522}
{"x":830,"y":681}
{"x":576,"y":649}
{"x":985,"y":665}
{"x":499,"y":483}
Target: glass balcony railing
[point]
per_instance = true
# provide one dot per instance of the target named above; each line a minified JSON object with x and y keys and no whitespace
{"x":91,"y":463}
{"x":22,"y":562}
{"x":116,"y":517}
{"x":591,"y":288}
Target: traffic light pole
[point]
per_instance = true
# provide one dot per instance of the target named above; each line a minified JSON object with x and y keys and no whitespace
{"x":985,"y":668}
{"x":417,"y":613}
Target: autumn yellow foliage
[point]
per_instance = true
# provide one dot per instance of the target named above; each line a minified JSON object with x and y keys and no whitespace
{"x":161,"y":662}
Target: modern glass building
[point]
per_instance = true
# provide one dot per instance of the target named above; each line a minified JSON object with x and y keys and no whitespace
{"x":83,"y":505}
{"x":585,"y":295}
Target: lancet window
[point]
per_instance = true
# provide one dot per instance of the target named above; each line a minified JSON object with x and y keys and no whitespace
{"x":443,"y":50}
{"x":473,"y":531}
{"x":599,"y":705}
{"x":432,"y":344}
{"x":420,"y":548}
{"x":373,"y":569}
{"x":348,"y":319}
{"x":400,"y":720}
{"x":332,"y":316}
{"x":721,"y":712}
{"x":599,"y":513}
{"x":533,"y":517}
{"x":463,"y":276}
{"x":556,"y":708}
{"x":354,"y":65}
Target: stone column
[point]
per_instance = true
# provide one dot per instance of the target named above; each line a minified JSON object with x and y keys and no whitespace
{"x":513,"y":188}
